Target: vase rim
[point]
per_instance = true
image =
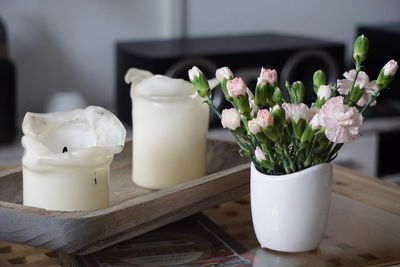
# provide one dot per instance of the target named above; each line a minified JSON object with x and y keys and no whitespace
{"x":294,"y":174}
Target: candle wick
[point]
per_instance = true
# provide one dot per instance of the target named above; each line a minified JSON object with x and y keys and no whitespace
{"x":65,"y":149}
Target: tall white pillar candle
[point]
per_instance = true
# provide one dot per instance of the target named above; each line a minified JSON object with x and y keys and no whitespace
{"x":67,"y":158}
{"x":170,"y":125}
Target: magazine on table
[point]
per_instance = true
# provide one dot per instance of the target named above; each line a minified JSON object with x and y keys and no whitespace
{"x":193,"y":241}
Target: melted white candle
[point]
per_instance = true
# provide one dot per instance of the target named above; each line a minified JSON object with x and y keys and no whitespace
{"x":170,"y":125}
{"x":77,"y":179}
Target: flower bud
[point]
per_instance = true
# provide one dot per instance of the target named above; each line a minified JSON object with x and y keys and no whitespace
{"x":297,"y":92}
{"x":242,"y":104}
{"x":224,"y":73}
{"x":278,"y":113}
{"x":324,"y":91}
{"x":323,"y":94}
{"x":277,"y":96}
{"x":236,"y":87}
{"x":199,"y":81}
{"x":268,"y":76}
{"x":354,"y":95}
{"x":319,"y":78}
{"x":264,"y":118}
{"x":298,"y":128}
{"x":265,"y":87}
{"x":297,"y":113}
{"x":230,"y":119}
{"x":390,"y":68}
{"x":360,"y":51}
{"x":307,"y":135}
{"x":261,"y":94}
{"x":386,"y":75}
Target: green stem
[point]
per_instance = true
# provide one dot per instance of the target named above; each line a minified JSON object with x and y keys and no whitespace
{"x":358,"y":69}
{"x":209,"y":102}
{"x":285,"y":162}
{"x":373,"y":97}
{"x":237,"y":140}
{"x":307,"y":162}
{"x":336,"y":148}
{"x":328,"y":151}
{"x":286,"y":153}
{"x":271,"y":158}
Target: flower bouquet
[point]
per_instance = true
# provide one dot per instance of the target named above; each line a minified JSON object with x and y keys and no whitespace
{"x":291,"y":144}
{"x":283,"y":135}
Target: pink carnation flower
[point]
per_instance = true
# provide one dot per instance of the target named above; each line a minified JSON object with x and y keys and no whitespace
{"x":236,"y":87}
{"x":264,"y":118}
{"x":267,"y":76}
{"x":362,"y":82}
{"x":341,"y":122}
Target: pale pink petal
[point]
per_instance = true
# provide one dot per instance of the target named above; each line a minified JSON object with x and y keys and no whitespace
{"x":341,"y":122}
{"x":260,"y":155}
{"x":230,"y":119}
{"x":311,"y":114}
{"x":363,"y":100}
{"x":295,"y":112}
{"x":390,"y":68}
{"x":349,"y":75}
{"x":264,"y":118}
{"x":267,"y":76}
{"x":344,"y":86}
{"x":362,"y":79}
{"x":315,"y":122}
{"x":236,"y":87}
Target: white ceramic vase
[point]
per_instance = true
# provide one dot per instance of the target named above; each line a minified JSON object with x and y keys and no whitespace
{"x":290,"y":211}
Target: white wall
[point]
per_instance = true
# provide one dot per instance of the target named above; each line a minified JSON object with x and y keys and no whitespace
{"x":330,"y":19}
{"x":70,"y":44}
{"x":60,"y":44}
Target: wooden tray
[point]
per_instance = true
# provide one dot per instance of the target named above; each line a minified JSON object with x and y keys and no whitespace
{"x":133,"y":210}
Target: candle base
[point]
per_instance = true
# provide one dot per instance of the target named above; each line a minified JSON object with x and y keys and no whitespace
{"x":78,"y":189}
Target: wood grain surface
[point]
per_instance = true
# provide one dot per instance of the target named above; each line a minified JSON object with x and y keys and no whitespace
{"x":373,"y":191}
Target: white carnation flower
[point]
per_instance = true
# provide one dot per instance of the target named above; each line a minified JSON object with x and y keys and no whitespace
{"x":230,"y":119}
{"x":295,"y":112}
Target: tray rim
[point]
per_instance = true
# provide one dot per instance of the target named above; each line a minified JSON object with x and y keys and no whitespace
{"x":126,"y":203}
{"x":121,"y":205}
{"x":82,"y":232}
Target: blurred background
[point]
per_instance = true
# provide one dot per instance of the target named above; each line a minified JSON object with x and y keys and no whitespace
{"x":62,"y":54}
